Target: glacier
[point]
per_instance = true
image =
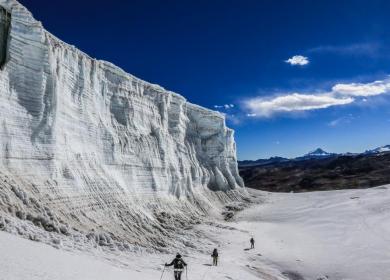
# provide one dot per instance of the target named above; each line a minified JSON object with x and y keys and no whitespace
{"x":92,"y":152}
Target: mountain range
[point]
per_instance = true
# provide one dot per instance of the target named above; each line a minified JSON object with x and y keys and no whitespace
{"x":319,"y":170}
{"x":315,"y":154}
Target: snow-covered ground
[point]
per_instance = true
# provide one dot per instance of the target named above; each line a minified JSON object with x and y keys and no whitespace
{"x":336,"y":235}
{"x":341,"y":234}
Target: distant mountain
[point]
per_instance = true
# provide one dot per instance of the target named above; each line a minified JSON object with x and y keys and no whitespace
{"x":382,"y":149}
{"x":317,"y":153}
{"x":259,"y":162}
{"x":319,"y":170}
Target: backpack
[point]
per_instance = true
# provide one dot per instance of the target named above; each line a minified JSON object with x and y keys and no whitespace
{"x":179,"y":264}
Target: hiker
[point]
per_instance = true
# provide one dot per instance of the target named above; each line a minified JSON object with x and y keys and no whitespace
{"x":215,"y":257}
{"x":252,"y":243}
{"x":178,"y":266}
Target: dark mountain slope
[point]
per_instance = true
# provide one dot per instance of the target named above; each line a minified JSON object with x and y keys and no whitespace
{"x":330,"y":173}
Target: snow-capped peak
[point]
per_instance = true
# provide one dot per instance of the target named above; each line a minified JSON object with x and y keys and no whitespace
{"x":318,"y":153}
{"x":382,"y":149}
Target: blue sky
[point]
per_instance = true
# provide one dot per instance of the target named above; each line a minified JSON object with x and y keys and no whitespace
{"x":299,"y":74}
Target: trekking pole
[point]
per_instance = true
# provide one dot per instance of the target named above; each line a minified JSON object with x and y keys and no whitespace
{"x":187,"y":272}
{"x":162,"y":274}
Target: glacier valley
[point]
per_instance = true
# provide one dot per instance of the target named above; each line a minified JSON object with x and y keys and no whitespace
{"x":106,"y":176}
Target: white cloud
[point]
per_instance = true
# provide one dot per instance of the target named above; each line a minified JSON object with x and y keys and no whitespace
{"x":359,"y":89}
{"x":340,"y":94}
{"x":293,"y":103}
{"x":225,"y":106}
{"x":368,"y":49}
{"x":298,"y":60}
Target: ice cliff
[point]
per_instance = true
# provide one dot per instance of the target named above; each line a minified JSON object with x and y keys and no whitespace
{"x":89,"y":150}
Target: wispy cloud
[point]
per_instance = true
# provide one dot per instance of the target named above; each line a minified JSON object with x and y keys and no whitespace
{"x":369,"y":48}
{"x":298,"y":60}
{"x":341,"y":121}
{"x":225,"y":106}
{"x":233,"y":118}
{"x":340,"y":94}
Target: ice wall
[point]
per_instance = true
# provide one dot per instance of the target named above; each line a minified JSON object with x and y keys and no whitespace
{"x":99,"y":147}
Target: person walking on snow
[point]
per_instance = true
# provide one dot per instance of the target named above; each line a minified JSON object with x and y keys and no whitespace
{"x":215,"y":257}
{"x":178,"y":266}
{"x":252,"y":243}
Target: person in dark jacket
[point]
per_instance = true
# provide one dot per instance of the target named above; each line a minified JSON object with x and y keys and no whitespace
{"x":252,"y":243}
{"x":178,"y":266}
{"x":215,"y":257}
